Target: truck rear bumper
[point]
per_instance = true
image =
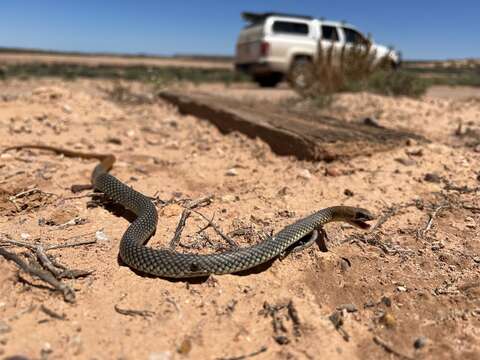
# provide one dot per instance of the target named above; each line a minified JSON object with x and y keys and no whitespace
{"x":258,"y":68}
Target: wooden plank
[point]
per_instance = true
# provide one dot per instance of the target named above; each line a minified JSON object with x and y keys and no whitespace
{"x":302,"y":135}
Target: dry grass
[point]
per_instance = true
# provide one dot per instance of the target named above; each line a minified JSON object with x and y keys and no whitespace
{"x":356,"y":69}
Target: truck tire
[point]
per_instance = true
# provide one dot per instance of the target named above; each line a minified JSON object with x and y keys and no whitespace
{"x":268,"y":80}
{"x":301,"y":74}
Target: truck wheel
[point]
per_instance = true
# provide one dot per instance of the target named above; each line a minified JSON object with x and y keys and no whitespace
{"x":301,"y":74}
{"x":268,"y":80}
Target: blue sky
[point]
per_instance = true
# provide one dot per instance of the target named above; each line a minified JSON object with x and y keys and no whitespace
{"x":421,"y":29}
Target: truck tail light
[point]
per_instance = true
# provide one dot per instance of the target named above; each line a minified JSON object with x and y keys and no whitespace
{"x":264,"y":48}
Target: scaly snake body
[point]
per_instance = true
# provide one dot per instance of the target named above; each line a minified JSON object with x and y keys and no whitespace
{"x":172,"y":264}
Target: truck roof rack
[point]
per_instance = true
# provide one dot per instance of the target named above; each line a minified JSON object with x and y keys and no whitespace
{"x":259,"y":17}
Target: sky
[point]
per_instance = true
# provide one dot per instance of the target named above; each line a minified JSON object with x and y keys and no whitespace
{"x":421,"y":29}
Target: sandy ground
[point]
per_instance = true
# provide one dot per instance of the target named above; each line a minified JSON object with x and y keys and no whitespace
{"x":409,"y":289}
{"x":22,"y":58}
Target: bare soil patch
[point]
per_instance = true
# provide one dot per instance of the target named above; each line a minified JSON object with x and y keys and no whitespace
{"x":410,"y":287}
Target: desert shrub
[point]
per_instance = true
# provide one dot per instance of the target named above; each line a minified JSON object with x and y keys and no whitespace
{"x":356,"y":69}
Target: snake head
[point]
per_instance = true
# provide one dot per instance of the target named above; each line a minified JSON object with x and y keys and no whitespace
{"x":359,"y":217}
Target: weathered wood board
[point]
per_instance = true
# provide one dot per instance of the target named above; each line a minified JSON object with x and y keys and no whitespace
{"x":304,"y":136}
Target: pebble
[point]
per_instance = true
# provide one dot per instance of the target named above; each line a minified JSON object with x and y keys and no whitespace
{"x":388,"y":320}
{"x":477,"y":148}
{"x":46,"y":348}
{"x":100,"y":236}
{"x":406,"y":162}
{"x":24,"y":236}
{"x":228,"y":198}
{"x":4,"y":327}
{"x":432,"y":177}
{"x":305,"y":174}
{"x":185,"y":347}
{"x":348,"y":307}
{"x":67,"y":109}
{"x":401,"y":288}
{"x":164,"y":355}
{"x":420,"y":342}
{"x":348,"y":192}
{"x":332,"y":171}
{"x":470,"y":222}
{"x":371,"y":121}
{"x":232,"y":172}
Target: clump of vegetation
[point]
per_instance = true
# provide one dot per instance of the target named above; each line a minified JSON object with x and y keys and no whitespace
{"x":354,"y":69}
{"x":137,"y":72}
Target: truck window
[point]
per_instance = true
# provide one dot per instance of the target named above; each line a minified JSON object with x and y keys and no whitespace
{"x":287,"y":27}
{"x":354,"y":37}
{"x":329,"y":33}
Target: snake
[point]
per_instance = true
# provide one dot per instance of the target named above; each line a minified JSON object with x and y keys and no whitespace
{"x":168,"y":263}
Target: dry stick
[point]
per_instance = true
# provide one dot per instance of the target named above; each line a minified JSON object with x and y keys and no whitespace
{"x":128,"y":312}
{"x":390,"y":349}
{"x":178,"y":231}
{"x":228,"y":239}
{"x":389,"y":213}
{"x":242,"y":357}
{"x":68,"y":293}
{"x":432,"y":217}
{"x":52,"y":313}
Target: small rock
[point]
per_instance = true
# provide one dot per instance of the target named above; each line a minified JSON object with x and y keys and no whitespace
{"x":406,"y":162}
{"x":388,"y":320}
{"x":477,"y":148}
{"x":185,"y":347}
{"x":437,"y":245}
{"x":100,"y":236}
{"x":418,"y":152}
{"x":470,"y":222}
{"x":477,"y":259}
{"x":432,"y":177}
{"x":164,"y":355}
{"x":131,"y":133}
{"x":386,"y":301}
{"x":232,"y":172}
{"x":305,"y":174}
{"x":371,"y":121}
{"x":420,"y":342}
{"x":401,"y":288}
{"x":348,"y":192}
{"x":46,"y":349}
{"x":284,"y":191}
{"x":114,"y":140}
{"x":281,"y":339}
{"x":228,"y":198}
{"x":25,"y":236}
{"x":332,"y":171}
{"x":348,"y":307}
{"x":67,"y":109}
{"x":4,"y":327}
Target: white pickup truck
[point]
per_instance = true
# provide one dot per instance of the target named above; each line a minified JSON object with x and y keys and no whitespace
{"x":274,"y":45}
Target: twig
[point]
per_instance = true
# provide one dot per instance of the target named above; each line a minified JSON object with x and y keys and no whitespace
{"x":242,"y":357}
{"x":71,"y":244}
{"x":52,"y":313}
{"x":128,"y":312}
{"x":68,"y":293}
{"x":178,"y":231}
{"x":392,"y":211}
{"x":432,"y":217}
{"x":337,"y":320}
{"x":228,"y":239}
{"x":200,"y":202}
{"x":388,"y":348}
